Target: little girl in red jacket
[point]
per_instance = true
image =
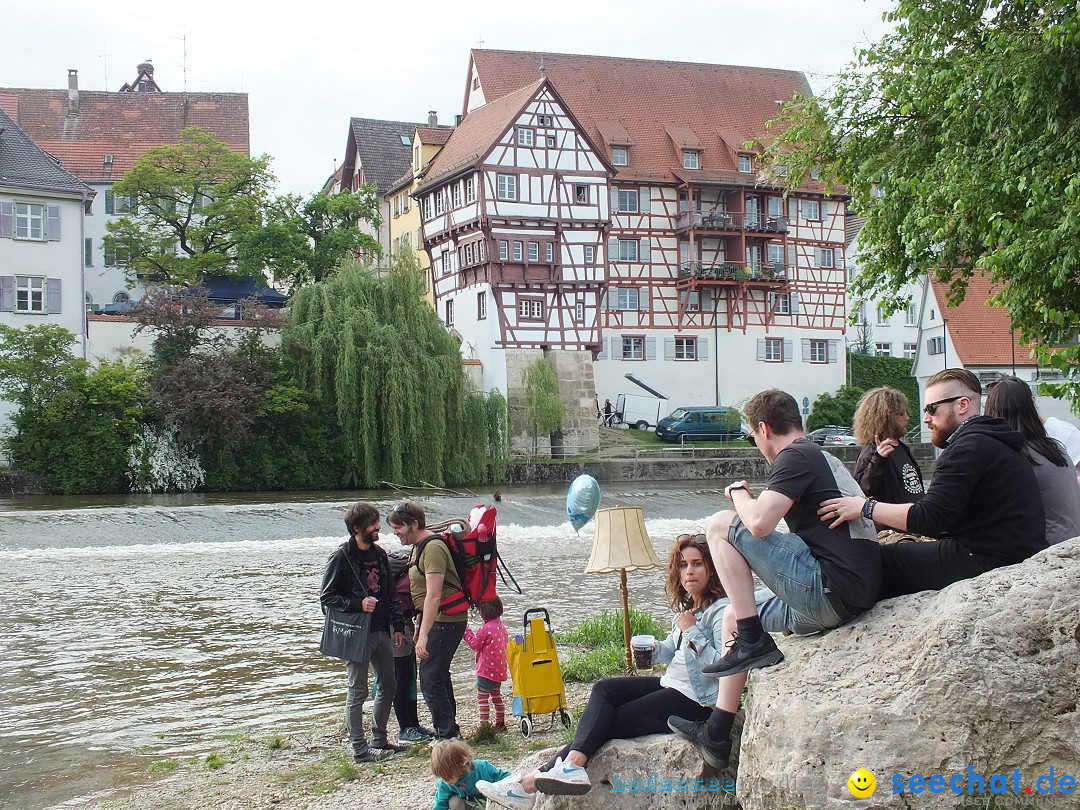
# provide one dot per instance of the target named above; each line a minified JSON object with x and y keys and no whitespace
{"x":489,"y":642}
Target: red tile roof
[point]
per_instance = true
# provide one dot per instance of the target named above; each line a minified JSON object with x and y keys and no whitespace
{"x":477,"y":134}
{"x":651,"y":104}
{"x":980,"y":332}
{"x":434,"y":136}
{"x":123,"y":125}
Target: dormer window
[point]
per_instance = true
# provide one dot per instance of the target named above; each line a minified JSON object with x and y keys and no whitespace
{"x":690,"y":159}
{"x":619,"y":156}
{"x":746,"y":164}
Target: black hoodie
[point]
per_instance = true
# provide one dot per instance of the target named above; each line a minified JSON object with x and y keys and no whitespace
{"x":984,"y":495}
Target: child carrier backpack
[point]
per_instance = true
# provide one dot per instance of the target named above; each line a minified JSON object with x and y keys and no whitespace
{"x":476,"y":560}
{"x":399,"y":571}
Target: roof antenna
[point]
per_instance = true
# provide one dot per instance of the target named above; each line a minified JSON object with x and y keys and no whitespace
{"x":541,"y":67}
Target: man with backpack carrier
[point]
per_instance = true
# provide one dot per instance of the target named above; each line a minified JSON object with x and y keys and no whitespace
{"x":433,"y":579}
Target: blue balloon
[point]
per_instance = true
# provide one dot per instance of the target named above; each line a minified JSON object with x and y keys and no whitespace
{"x":581,"y":501}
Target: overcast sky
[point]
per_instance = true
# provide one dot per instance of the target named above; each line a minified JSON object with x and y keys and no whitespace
{"x":309,"y":70}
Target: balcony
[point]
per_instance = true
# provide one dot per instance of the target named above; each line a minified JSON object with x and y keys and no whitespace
{"x":728,"y":221}
{"x":734,"y":271}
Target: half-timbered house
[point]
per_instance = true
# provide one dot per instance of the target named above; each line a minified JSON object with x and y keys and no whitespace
{"x":696,"y":275}
{"x":515,"y":212}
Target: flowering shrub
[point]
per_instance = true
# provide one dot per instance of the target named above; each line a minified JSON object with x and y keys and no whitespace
{"x":157,"y":462}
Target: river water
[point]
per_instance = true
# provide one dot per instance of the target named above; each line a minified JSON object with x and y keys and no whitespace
{"x":135,"y":630}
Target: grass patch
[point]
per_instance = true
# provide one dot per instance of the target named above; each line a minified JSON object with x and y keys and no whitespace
{"x":485,"y":735}
{"x":164,"y":766}
{"x":603,"y":636}
{"x":215,"y":761}
{"x":606,"y":628}
{"x":276,"y":742}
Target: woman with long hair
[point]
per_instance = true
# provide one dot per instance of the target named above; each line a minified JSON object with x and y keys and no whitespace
{"x":1010,"y":398}
{"x":886,"y":470}
{"x":627,"y":707}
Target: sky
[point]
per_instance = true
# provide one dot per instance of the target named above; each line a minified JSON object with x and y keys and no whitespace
{"x":309,"y":70}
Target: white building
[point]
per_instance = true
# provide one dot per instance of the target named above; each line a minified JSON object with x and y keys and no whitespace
{"x":41,"y":240}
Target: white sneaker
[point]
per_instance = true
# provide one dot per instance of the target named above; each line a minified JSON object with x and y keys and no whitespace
{"x":564,"y":779}
{"x":507,"y":792}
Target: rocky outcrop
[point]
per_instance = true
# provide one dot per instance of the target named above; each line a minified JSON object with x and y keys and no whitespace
{"x":631,"y":774}
{"x":978,"y":679}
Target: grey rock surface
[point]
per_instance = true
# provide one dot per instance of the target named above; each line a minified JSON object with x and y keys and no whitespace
{"x":983,"y":674}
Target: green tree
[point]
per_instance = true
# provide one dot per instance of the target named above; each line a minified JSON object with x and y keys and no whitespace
{"x":958,"y":137}
{"x":544,"y":410}
{"x":192,"y":206}
{"x":388,"y":376}
{"x":305,"y":241}
{"x":834,"y":409}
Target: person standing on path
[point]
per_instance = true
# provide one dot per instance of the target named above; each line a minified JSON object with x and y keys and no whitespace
{"x":432,"y":576}
{"x":489,"y":644}
{"x":357,"y":579}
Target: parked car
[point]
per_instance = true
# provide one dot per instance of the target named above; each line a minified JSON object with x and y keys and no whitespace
{"x":840,"y":439}
{"x":700,"y":425}
{"x":823,"y":435}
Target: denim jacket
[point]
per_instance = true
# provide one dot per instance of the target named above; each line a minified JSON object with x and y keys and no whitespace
{"x":702,"y":645}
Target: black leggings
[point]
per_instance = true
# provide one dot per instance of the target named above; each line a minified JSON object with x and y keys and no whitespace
{"x":624,"y":708}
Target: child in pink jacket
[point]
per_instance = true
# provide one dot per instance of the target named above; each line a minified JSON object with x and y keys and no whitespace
{"x":489,"y":642}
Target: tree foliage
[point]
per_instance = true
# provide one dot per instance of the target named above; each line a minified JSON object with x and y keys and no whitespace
{"x":193,"y":205}
{"x":544,"y":410}
{"x":36,"y":363}
{"x":958,"y":136}
{"x":389,"y":376}
{"x":834,"y":409}
{"x":305,"y":241}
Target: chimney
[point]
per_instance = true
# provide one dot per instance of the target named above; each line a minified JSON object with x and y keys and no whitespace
{"x":457,"y":120}
{"x":432,"y":118}
{"x":73,"y":91}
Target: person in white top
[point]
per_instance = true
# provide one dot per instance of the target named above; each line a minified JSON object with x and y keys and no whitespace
{"x":1066,"y":433}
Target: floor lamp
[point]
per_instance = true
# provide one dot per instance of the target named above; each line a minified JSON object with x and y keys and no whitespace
{"x":622,"y":544}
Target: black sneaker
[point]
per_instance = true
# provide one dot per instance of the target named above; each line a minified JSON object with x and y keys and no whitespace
{"x":386,"y":745}
{"x":373,"y":755}
{"x":742,"y":656}
{"x":696,"y":731}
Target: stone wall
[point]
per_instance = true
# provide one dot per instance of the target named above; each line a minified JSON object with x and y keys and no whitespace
{"x":577,"y":391}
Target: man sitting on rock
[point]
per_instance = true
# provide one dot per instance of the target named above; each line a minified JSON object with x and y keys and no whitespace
{"x":983,"y":503}
{"x":820,"y":576}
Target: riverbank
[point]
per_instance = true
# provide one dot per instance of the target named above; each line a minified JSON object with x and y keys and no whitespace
{"x":313,"y":771}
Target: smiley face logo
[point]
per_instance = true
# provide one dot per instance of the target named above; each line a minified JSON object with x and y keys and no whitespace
{"x":862,"y":784}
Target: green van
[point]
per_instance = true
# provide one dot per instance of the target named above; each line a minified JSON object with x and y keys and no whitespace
{"x":706,"y":424}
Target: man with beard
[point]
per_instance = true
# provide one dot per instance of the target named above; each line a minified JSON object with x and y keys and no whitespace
{"x":357,"y":578}
{"x":983,"y":503}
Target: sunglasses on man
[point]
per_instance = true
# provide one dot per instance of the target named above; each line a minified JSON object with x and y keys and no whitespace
{"x":931,"y":407}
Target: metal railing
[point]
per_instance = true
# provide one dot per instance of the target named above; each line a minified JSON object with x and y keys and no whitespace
{"x":731,"y":221}
{"x":734,"y":271}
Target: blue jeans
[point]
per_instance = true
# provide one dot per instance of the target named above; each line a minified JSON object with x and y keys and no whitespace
{"x":797,"y":602}
{"x":442,"y":642}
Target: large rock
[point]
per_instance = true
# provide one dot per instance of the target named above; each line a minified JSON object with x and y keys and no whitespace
{"x":983,"y":674}
{"x":630,"y":774}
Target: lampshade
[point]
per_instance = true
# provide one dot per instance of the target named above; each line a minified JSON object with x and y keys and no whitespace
{"x":621,"y":543}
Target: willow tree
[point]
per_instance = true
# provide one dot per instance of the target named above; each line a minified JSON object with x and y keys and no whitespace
{"x":384,"y":366}
{"x":544,"y":410}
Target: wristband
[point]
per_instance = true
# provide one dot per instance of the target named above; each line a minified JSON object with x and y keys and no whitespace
{"x":731,"y":488}
{"x":868,"y":508}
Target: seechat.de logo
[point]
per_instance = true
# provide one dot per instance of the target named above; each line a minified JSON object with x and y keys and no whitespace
{"x":862,"y":784}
